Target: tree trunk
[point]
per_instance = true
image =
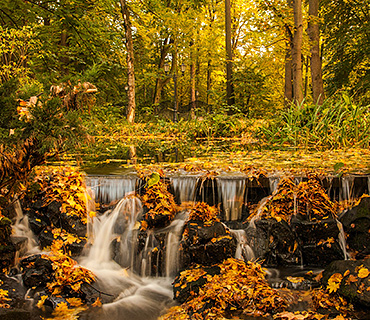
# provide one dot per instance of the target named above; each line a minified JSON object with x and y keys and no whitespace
{"x":288,"y":88}
{"x":229,"y":56}
{"x":64,"y":58}
{"x":316,"y":69}
{"x":161,"y":83}
{"x":192,"y":81}
{"x":131,"y":106}
{"x":296,"y":52}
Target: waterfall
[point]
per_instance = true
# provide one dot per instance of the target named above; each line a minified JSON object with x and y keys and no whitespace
{"x":136,"y":297}
{"x":243,"y":250}
{"x":111,"y":188}
{"x":273,"y":181}
{"x":184,"y":187}
{"x":232,"y":195}
{"x":342,"y":240}
{"x":21,"y":228}
{"x":103,"y":231}
{"x":347,"y":187}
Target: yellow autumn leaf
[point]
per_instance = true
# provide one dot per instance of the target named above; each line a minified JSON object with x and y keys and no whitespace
{"x":363,"y":272}
{"x":334,"y":282}
{"x":295,"y":279}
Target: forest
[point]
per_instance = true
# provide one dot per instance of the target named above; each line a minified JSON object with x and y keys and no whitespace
{"x":189,"y":159}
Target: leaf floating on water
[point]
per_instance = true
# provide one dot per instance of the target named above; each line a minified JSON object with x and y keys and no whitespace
{"x":154,"y":179}
{"x":295,"y":279}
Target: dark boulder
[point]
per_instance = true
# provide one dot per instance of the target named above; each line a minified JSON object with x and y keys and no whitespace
{"x":356,"y":224}
{"x":318,"y":241}
{"x":37,"y":271}
{"x":206,"y":243}
{"x":355,"y":285}
{"x":274,"y":242}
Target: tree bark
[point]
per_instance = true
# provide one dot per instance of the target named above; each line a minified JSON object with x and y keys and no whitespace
{"x":161,"y":83}
{"x":316,"y":68}
{"x":229,"y":56}
{"x":297,"y":51}
{"x":288,"y":88}
{"x":64,"y":58}
{"x":131,"y":105}
{"x":192,"y":81}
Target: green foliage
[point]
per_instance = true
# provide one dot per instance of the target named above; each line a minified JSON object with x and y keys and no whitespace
{"x":347,"y":42}
{"x":335,"y":124}
{"x":54,"y":129}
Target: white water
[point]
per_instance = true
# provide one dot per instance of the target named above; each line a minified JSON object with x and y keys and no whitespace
{"x":243,"y":250}
{"x":342,"y":240}
{"x":347,"y":187}
{"x":184,"y":187}
{"x":21,"y":228}
{"x":135,"y":297}
{"x":274,"y":181}
{"x":111,"y":188}
{"x":232,"y":195}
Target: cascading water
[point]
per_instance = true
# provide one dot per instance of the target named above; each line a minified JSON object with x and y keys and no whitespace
{"x":111,"y":188}
{"x":347,"y":187}
{"x":184,"y":187}
{"x":342,"y":240}
{"x":273,"y":182}
{"x":21,"y":229}
{"x":136,"y":298}
{"x":243,"y":250}
{"x":232,"y":194}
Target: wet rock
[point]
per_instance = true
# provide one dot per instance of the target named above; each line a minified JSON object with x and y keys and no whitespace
{"x":321,"y":255}
{"x":15,"y":314}
{"x":318,"y":241}
{"x":356,"y":224}
{"x":274,"y":242}
{"x":73,"y":224}
{"x":16,"y":292}
{"x":358,"y":290}
{"x":37,"y":271}
{"x":7,"y":255}
{"x":206,"y":243}
{"x":46,"y":238}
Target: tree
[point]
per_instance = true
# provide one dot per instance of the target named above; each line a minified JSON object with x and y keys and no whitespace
{"x":297,"y":52}
{"x":229,"y":56}
{"x":316,"y":70}
{"x":346,"y":47}
{"x":131,"y":105}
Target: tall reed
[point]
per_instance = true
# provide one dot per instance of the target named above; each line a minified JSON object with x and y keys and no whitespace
{"x":332,"y":125}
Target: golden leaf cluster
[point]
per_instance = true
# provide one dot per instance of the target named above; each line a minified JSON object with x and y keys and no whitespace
{"x":62,"y":239}
{"x":308,"y":199}
{"x":63,"y":312}
{"x":305,"y":315}
{"x":15,"y":168}
{"x":4,"y":298}
{"x":239,"y":286}
{"x":159,"y":200}
{"x":201,"y":211}
{"x":322,"y":298}
{"x":67,"y":273}
{"x":65,"y":185}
